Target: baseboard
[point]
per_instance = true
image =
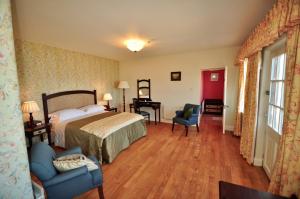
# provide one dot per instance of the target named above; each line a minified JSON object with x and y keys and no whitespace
{"x":258,"y":162}
{"x":166,"y":121}
{"x":229,"y":127}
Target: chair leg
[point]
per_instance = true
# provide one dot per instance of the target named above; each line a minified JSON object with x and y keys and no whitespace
{"x":197,"y":127}
{"x":148,"y":119}
{"x":186,"y":130}
{"x":100,"y":192}
{"x":173,"y":126}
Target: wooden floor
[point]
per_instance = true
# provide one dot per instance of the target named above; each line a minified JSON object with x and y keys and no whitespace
{"x":170,"y":165}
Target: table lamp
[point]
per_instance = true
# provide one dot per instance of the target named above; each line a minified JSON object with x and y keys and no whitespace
{"x":123,"y":85}
{"x":30,"y":107}
{"x":107,"y":97}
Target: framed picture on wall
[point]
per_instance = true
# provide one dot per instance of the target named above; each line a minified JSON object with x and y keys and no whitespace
{"x":176,"y":76}
{"x":214,"y":77}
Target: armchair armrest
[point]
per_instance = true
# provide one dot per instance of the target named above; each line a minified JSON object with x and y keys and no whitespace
{"x":195,"y":115}
{"x":75,"y":150}
{"x":66,"y":176}
{"x":193,"y":119}
{"x":179,"y":113}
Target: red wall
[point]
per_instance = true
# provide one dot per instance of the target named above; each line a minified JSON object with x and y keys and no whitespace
{"x":212,"y":89}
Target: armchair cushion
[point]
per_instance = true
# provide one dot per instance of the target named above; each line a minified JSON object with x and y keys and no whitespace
{"x":75,"y":150}
{"x":69,"y":162}
{"x":188,"y":113}
{"x":182,"y":121}
{"x":196,"y":108}
{"x":62,"y":177}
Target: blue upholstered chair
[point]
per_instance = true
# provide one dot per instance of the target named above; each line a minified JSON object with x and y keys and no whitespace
{"x":191,"y":120}
{"x":64,"y":185}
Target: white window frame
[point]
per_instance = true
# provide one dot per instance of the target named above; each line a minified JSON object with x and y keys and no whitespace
{"x":273,"y":123}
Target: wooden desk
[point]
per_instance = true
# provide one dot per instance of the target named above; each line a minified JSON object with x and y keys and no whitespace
{"x":112,"y":109}
{"x":154,"y":105}
{"x":38,"y":130}
{"x":233,"y":191}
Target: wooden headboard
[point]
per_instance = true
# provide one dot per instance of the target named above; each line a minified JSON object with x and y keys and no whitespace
{"x":67,"y":99}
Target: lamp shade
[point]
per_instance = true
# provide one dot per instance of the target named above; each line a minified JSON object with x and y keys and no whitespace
{"x":123,"y":84}
{"x":30,"y":107}
{"x":107,"y":96}
{"x":135,"y":45}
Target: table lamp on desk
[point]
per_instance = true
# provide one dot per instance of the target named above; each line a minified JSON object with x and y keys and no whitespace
{"x":107,"y":97}
{"x":30,"y":107}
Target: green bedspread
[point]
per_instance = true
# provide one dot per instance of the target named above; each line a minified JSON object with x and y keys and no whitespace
{"x":105,"y":149}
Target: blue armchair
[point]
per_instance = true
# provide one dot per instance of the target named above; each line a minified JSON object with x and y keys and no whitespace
{"x":67,"y":184}
{"x":192,"y":120}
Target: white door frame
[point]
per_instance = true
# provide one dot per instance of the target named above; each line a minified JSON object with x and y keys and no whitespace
{"x":224,"y":100}
{"x":225,"y":68}
{"x":262,"y":114}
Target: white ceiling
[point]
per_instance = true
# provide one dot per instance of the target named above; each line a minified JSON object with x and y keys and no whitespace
{"x":99,"y":27}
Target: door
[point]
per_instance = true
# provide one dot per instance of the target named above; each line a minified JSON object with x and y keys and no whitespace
{"x":275,"y":109}
{"x":213,"y":98}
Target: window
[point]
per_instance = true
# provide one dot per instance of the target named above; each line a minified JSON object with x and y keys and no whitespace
{"x":276,"y":97}
{"x":243,"y":87}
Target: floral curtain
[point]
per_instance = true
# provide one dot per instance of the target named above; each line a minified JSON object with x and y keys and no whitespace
{"x":285,"y":178}
{"x":250,"y":109}
{"x":283,"y":18}
{"x":284,"y":15}
{"x":238,"y":120}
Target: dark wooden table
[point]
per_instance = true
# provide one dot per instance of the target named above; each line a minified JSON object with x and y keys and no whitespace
{"x":112,"y":109}
{"x":233,"y":191}
{"x":154,"y":105}
{"x":38,"y":130}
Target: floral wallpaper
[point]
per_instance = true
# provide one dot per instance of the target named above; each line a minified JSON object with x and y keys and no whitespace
{"x":46,"y":69}
{"x":14,"y":169}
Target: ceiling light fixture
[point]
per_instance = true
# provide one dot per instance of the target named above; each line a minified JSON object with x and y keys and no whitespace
{"x":135,"y":45}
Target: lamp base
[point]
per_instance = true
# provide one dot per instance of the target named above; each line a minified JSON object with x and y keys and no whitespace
{"x":31,"y":123}
{"x":124,"y":100}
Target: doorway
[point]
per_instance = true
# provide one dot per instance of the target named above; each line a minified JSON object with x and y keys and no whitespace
{"x":213,"y":93}
{"x":271,"y":105}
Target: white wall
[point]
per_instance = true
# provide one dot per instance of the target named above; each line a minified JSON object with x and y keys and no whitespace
{"x":173,"y":95}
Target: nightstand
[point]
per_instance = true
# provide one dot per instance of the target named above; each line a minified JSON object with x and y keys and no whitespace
{"x":112,"y":109}
{"x":38,"y":130}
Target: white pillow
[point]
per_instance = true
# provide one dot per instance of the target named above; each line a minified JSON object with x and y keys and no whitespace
{"x":66,"y":114}
{"x":92,"y":108}
{"x":69,"y":162}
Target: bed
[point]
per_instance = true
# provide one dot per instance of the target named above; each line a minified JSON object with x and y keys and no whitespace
{"x":98,"y":132}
